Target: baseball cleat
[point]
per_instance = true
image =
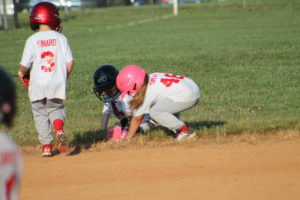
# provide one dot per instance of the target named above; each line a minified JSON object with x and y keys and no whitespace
{"x":185,"y":135}
{"x":47,"y":150}
{"x":62,"y":141}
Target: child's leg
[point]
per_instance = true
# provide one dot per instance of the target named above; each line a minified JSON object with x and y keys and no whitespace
{"x":166,"y":113}
{"x":56,"y":110}
{"x":42,"y":122}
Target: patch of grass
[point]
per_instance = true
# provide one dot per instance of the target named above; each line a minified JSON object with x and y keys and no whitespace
{"x":245,"y":61}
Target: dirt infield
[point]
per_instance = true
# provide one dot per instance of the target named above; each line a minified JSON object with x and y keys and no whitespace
{"x":237,"y":167}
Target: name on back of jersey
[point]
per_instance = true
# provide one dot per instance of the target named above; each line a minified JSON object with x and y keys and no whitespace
{"x":46,"y":43}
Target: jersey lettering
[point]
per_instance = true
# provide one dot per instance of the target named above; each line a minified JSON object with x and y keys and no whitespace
{"x":46,"y":43}
{"x":49,"y":57}
{"x":171,"y":78}
{"x":153,"y":79}
{"x":8,"y":158}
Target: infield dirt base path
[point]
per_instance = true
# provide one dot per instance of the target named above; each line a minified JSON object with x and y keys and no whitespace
{"x":268,"y":169}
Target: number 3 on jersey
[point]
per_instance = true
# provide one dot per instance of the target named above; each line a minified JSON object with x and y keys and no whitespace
{"x":49,"y":57}
{"x":171,"y":78}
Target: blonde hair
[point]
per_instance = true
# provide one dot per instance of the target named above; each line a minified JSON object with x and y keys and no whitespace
{"x":139,"y":97}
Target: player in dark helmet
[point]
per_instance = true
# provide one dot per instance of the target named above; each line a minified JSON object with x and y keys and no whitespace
{"x":10,"y":155}
{"x":105,"y":89}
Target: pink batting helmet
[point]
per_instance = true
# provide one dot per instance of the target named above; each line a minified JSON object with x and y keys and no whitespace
{"x":130,"y":79}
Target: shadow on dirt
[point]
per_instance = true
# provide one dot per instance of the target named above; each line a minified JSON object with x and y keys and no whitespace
{"x":85,"y":140}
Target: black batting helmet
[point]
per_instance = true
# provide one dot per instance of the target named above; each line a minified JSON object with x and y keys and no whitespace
{"x":104,"y":79}
{"x":7,"y":98}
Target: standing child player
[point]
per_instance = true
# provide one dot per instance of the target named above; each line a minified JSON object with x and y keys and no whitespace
{"x":163,"y":95}
{"x":10,"y":155}
{"x":48,"y":58}
{"x":105,"y":89}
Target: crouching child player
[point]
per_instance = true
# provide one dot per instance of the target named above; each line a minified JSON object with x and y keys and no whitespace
{"x":163,"y":95}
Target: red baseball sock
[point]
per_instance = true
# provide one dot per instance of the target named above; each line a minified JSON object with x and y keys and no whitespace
{"x":47,"y":145}
{"x":58,"y":125}
{"x":184,"y":128}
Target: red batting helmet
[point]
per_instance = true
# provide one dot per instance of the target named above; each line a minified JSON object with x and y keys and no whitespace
{"x":45,"y":13}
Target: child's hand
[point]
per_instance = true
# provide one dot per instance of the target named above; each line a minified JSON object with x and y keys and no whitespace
{"x":125,"y":122}
{"x":25,"y":79}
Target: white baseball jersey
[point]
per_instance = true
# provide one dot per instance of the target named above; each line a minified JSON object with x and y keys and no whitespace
{"x":121,"y":107}
{"x":47,"y":53}
{"x":165,"y":85}
{"x":11,"y":164}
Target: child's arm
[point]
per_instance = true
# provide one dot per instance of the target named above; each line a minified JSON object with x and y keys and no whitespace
{"x":134,"y":125}
{"x":69,"y":68}
{"x":104,"y":121}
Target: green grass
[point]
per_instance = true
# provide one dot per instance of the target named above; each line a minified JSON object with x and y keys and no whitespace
{"x":245,"y":61}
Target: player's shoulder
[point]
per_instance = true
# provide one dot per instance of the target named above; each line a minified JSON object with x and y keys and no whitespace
{"x":59,"y":35}
{"x":33,"y":36}
{"x":43,"y":34}
{"x":157,"y":74}
{"x":153,"y":77}
{"x":106,"y":99}
{"x":53,"y":33}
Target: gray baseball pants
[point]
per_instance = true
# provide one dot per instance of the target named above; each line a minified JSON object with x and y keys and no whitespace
{"x":45,"y":111}
{"x":166,"y":112}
